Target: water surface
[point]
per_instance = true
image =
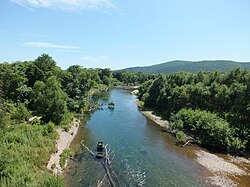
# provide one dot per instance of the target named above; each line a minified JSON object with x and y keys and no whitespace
{"x":144,"y":154}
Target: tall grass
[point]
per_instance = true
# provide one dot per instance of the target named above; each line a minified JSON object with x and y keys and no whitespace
{"x":25,"y":150}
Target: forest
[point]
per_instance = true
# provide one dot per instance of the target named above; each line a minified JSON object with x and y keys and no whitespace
{"x":42,"y":89}
{"x":211,"y":107}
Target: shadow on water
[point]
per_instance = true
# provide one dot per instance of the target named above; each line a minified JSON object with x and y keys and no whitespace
{"x":144,"y":155}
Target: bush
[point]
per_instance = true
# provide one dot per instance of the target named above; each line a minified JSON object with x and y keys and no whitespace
{"x":50,"y":130}
{"x":67,"y":120}
{"x":181,"y":137}
{"x":177,"y":125}
{"x":52,"y":181}
{"x":145,"y":96}
{"x":140,"y":104}
{"x":21,"y":113}
{"x":209,"y":129}
{"x":67,"y":153}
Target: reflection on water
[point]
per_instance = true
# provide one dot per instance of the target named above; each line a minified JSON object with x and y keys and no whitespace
{"x":144,"y":155}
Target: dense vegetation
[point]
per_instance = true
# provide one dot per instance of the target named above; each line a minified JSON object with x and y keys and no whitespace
{"x":39,"y":88}
{"x":189,"y":66}
{"x":212,"y":107}
{"x":131,"y":78}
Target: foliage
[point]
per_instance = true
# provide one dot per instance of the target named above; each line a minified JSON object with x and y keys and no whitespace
{"x":140,"y":104}
{"x":209,"y":129}
{"x":131,"y":78}
{"x":21,"y":113}
{"x":181,"y":136}
{"x":24,"y":153}
{"x":67,"y":153}
{"x":52,"y":181}
{"x":44,"y":66}
{"x":106,"y":76}
{"x":77,"y":83}
{"x":14,"y":81}
{"x":49,"y":100}
{"x":225,"y":94}
{"x":67,"y":120}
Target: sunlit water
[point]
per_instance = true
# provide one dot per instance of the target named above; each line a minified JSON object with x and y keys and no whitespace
{"x":144,"y":155}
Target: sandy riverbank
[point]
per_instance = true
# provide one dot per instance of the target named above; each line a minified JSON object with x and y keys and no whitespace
{"x":127,"y":87}
{"x":63,"y":142}
{"x":222,"y":170}
{"x":157,"y":119}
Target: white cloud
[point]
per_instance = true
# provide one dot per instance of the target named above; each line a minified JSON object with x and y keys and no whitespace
{"x":94,"y":59}
{"x":49,"y":45}
{"x":69,"y":5}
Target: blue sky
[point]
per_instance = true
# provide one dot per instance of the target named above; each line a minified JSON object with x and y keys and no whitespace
{"x":119,"y":34}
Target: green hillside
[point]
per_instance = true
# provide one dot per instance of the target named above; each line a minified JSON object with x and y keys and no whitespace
{"x":190,"y":66}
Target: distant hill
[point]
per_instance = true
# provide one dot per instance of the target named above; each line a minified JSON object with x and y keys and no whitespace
{"x":190,"y":66}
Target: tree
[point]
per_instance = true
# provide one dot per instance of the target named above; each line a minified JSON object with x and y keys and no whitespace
{"x":106,"y":76}
{"x":44,"y":66}
{"x":14,"y":82}
{"x":49,"y":100}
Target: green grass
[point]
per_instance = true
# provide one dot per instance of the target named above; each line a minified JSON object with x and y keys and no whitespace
{"x":25,"y":150}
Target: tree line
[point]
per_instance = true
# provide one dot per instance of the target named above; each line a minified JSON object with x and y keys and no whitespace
{"x":213,"y":107}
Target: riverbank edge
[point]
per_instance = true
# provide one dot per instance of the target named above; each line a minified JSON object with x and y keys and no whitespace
{"x":157,"y":119}
{"x":213,"y":163}
{"x":63,"y":142}
{"x":126,"y":87}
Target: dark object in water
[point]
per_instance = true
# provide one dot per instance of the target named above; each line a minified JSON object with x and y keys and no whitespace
{"x":100,"y":146}
{"x":99,"y":155}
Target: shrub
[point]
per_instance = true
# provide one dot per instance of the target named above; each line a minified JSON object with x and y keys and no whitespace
{"x":181,"y":137}
{"x":67,"y":120}
{"x":52,"y":181}
{"x":21,"y":113}
{"x":67,"y":153}
{"x":209,"y":129}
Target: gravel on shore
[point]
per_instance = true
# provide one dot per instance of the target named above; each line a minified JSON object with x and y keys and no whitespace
{"x":220,"y":168}
{"x":157,"y":119}
{"x":63,"y":142}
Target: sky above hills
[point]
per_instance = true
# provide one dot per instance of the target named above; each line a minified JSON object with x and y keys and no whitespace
{"x":119,"y":34}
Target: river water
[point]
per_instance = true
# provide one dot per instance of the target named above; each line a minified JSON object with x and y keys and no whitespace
{"x":144,"y":154}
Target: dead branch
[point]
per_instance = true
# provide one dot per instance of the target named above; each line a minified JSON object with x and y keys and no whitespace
{"x":189,"y":141}
{"x":101,"y":182}
{"x":87,"y":148}
{"x":109,"y":161}
{"x":107,"y":168}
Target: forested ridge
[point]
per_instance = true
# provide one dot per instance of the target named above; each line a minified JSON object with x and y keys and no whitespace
{"x":191,"y":66}
{"x":213,"y":108}
{"x":42,"y":89}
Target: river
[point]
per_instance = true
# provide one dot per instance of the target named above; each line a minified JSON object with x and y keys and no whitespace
{"x":144,"y":154}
